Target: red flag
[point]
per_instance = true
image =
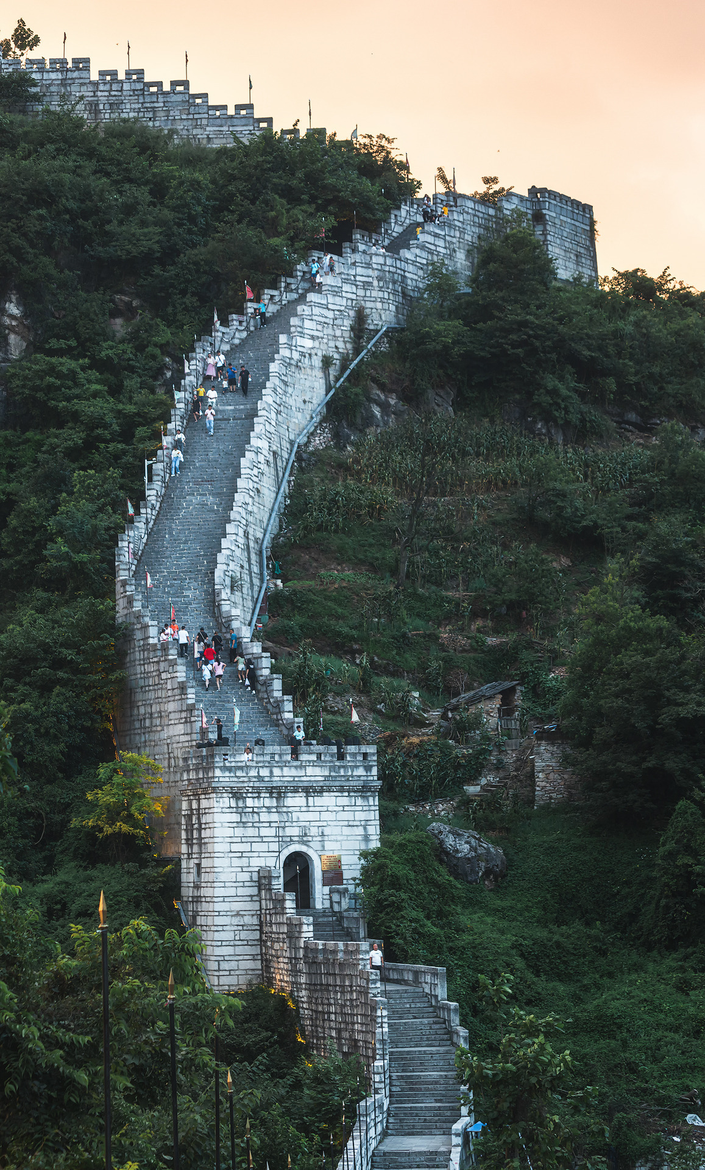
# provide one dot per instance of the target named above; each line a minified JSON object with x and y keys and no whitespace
{"x":173,"y":614}
{"x":149,"y":581}
{"x":204,"y":721}
{"x":215,"y":315}
{"x":130,"y":510}
{"x":249,"y":295}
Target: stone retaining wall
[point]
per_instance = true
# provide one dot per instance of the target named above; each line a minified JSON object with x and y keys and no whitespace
{"x":553,"y":781}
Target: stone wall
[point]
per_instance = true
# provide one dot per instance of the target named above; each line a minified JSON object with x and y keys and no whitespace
{"x":329,"y":982}
{"x":188,"y":115}
{"x":237,"y":818}
{"x":339,"y":1002}
{"x":553,"y":781}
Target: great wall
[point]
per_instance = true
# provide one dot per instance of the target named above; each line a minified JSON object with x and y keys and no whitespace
{"x":243,"y":829}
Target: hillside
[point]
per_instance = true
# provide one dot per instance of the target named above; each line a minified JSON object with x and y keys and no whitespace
{"x":512,"y":488}
{"x":563,"y":549}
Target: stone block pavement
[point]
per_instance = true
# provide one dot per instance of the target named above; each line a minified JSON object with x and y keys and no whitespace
{"x":182,"y":548}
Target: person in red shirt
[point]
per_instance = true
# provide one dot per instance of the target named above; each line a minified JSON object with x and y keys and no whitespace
{"x":209,"y":653}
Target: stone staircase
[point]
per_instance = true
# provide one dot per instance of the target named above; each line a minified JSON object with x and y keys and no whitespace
{"x":181,"y":551}
{"x":424,"y":1092}
{"x":404,"y":239}
{"x":327,"y":928}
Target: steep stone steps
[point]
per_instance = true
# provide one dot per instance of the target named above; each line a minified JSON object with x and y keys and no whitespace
{"x":406,"y":236}
{"x":183,"y":545}
{"x":424,"y":1092}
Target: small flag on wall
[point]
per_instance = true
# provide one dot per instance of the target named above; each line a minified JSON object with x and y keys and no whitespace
{"x":204,"y":721}
{"x":130,"y":510}
{"x":149,"y":581}
{"x":173,"y":614}
{"x":185,"y":365}
{"x":248,"y":292}
{"x":354,"y":717}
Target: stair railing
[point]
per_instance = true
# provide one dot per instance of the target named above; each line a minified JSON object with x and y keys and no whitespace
{"x":301,"y":438}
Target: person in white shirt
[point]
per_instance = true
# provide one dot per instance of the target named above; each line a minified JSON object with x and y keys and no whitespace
{"x":183,"y":642}
{"x":219,"y":361}
{"x":212,"y":396}
{"x":376,"y":958}
{"x":177,"y":458}
{"x":299,"y":733}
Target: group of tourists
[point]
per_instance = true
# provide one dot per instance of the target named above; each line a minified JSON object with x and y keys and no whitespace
{"x":207,"y":655}
{"x":318,"y":270}
{"x":205,"y":401}
{"x":430,"y":213}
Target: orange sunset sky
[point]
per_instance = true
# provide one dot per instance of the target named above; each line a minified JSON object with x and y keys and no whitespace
{"x":603,"y":102}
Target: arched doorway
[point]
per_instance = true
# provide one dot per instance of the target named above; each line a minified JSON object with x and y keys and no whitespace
{"x":297,"y":879}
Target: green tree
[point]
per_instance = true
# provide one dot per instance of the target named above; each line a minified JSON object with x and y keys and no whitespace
{"x":679,"y":905}
{"x":8,"y":763}
{"x":19,"y":43}
{"x":125,"y":806}
{"x":492,"y":192}
{"x":634,"y":705}
{"x":523,"y":1092}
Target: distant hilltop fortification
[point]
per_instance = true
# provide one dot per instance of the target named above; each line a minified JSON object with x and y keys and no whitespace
{"x":565,"y":226}
{"x":189,"y":115}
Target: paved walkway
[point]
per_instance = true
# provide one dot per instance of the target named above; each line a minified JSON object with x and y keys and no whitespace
{"x":183,"y":546}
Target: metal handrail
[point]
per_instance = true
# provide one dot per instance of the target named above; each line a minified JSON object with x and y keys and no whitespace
{"x":300,"y":438}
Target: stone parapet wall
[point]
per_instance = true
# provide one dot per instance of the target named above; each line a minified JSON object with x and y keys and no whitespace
{"x":553,"y":781}
{"x":433,"y":981}
{"x":329,"y":982}
{"x":109,"y":98}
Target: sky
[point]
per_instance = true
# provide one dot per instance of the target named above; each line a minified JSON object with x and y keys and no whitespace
{"x":603,"y":102}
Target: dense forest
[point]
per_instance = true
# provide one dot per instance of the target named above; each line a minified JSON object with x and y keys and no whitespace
{"x":535,"y":513}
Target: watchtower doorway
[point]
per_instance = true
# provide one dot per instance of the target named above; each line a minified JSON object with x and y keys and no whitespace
{"x":297,"y":879}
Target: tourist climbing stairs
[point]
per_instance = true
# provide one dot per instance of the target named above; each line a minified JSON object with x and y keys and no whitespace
{"x":424,"y":1100}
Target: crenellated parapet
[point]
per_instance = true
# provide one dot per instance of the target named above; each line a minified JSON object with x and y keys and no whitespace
{"x":110,"y":98}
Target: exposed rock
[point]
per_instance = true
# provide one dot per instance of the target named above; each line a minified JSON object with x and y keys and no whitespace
{"x":468,"y":856}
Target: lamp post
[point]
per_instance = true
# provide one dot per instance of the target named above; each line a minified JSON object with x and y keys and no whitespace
{"x":232,"y":1121}
{"x":171,"y":1001}
{"x":103,"y":931}
{"x":217,"y":1096}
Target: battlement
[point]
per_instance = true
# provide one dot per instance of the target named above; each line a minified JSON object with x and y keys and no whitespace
{"x":109,"y":98}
